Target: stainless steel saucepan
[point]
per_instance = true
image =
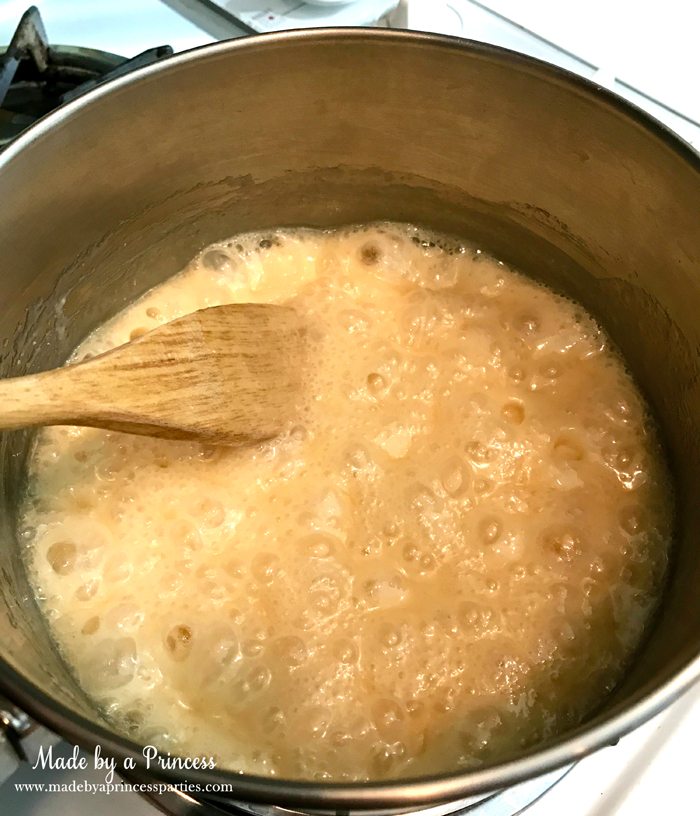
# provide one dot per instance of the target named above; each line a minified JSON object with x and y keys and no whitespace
{"x":120,"y":188}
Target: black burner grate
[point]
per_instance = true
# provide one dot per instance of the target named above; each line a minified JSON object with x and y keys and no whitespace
{"x":36,"y":78}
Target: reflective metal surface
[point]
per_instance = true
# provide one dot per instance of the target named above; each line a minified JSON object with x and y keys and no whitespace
{"x":510,"y":802}
{"x":122,"y":187}
{"x":20,"y":738}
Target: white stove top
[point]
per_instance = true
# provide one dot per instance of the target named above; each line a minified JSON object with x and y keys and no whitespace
{"x":608,"y":42}
{"x":277,"y":15}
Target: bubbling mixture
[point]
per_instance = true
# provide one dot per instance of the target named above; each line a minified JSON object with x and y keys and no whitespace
{"x":451,"y":557}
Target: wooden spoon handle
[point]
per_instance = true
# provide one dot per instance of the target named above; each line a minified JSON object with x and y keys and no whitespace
{"x":80,"y":394}
{"x":49,"y":398}
{"x":227,"y":374}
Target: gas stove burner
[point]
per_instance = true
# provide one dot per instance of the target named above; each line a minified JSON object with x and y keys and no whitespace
{"x":36,"y":78}
{"x":509,"y":802}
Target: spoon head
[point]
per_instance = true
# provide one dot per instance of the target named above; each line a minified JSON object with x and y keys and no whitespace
{"x":224,"y":375}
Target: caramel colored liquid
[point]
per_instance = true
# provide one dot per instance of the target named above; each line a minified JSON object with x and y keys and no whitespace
{"x":450,"y":557}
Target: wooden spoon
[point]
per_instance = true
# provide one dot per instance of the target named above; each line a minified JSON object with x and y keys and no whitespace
{"x":224,"y":375}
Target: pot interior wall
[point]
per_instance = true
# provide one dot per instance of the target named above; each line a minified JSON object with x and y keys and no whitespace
{"x":120,"y":193}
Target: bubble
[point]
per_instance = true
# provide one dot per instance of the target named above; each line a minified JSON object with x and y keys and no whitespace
{"x":388,"y":718}
{"x":117,"y":569}
{"x":550,"y":371}
{"x":565,"y":544}
{"x":622,"y":411}
{"x":391,"y":530}
{"x":341,"y":739}
{"x":443,"y":273}
{"x":133,"y":720}
{"x":483,"y":486}
{"x":420,"y":318}
{"x":370,"y":254}
{"x":421,"y":498}
{"x":138,"y":332}
{"x":376,"y":384}
{"x":345,"y":651}
{"x":292,"y":650}
{"x":385,"y":591}
{"x":153,"y":312}
{"x":445,"y":700}
{"x":215,"y":260}
{"x":385,"y":759}
{"x":454,"y":478}
{"x":479,"y":726}
{"x":91,"y":625}
{"x":358,"y":458}
{"x":210,"y":512}
{"x":418,"y":560}
{"x":411,"y":552}
{"x":395,"y":439}
{"x":390,"y":636}
{"x":490,"y":529}
{"x":210,"y":453}
{"x":113,"y":664}
{"x":265,"y":567}
{"x":480,"y":454}
{"x":474,"y":618}
{"x":318,"y":545}
{"x":124,"y":616}
{"x":178,"y":642}
{"x":519,"y":573}
{"x":87,"y":590}
{"x":62,"y":556}
{"x":256,"y":681}
{"x":624,"y":461}
{"x":414,"y":708}
{"x":225,"y":650}
{"x":354,"y":321}
{"x":318,"y":721}
{"x":526,"y":324}
{"x":273,"y":720}
{"x":568,"y":449}
{"x":298,"y":433}
{"x":324,"y":603}
{"x":107,"y":471}
{"x":252,"y":648}
{"x":513,"y":412}
{"x":619,"y":458}
{"x":188,"y":537}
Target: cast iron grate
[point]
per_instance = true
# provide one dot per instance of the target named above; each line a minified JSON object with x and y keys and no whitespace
{"x":36,"y":78}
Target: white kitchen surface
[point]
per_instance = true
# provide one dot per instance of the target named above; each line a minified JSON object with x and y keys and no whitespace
{"x":652,"y":49}
{"x":652,"y":46}
{"x":276,"y":15}
{"x":647,"y":52}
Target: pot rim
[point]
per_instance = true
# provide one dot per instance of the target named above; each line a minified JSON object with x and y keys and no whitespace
{"x":361,"y":795}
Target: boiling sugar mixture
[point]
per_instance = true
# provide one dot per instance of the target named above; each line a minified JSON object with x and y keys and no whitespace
{"x":451,"y":556}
